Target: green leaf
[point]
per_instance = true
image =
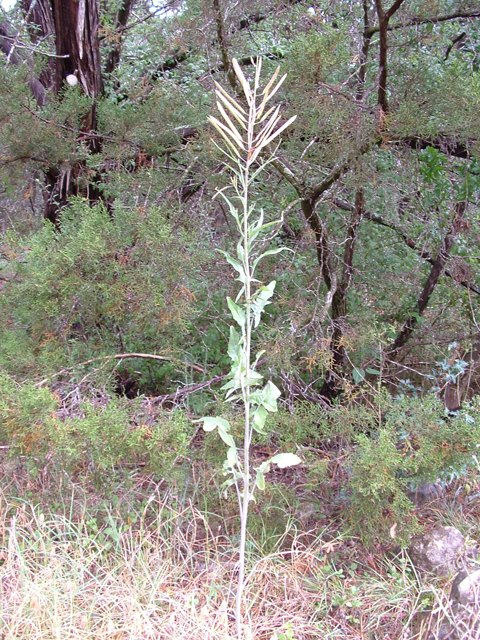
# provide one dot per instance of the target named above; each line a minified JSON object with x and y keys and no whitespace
{"x":234,"y":346}
{"x":358,"y":375}
{"x":226,"y":437}
{"x":260,"y":300}
{"x":283,"y":460}
{"x":211,"y":422}
{"x":266,"y":397}
{"x":373,"y":372}
{"x":270,"y":252}
{"x":240,"y":252}
{"x":261,"y":471}
{"x":257,"y":229}
{"x":237,"y":312}
{"x":259,"y":417}
{"x":233,"y":209}
{"x":260,"y":480}
{"x":265,"y":466}
{"x":228,"y":483}
{"x":231,"y":384}
{"x":271,"y":396}
{"x":253,"y":378}
{"x":236,"y":265}
{"x":232,"y":456}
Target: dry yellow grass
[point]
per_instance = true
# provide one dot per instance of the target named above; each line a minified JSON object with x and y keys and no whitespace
{"x":66,"y":577}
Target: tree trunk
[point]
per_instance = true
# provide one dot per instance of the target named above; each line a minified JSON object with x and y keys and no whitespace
{"x":339,"y":310}
{"x":456,"y":390}
{"x":75,"y":27}
{"x":436,"y":271}
{"x":383,"y":20}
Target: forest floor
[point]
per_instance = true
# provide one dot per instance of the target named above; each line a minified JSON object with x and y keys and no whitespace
{"x":140,"y":561}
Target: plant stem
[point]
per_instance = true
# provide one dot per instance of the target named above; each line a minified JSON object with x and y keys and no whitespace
{"x":246,"y":387}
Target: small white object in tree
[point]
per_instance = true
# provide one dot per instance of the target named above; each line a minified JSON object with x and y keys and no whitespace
{"x":72,"y":80}
{"x":311,"y":11}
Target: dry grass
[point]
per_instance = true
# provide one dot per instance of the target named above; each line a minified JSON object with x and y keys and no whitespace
{"x":65,"y":574}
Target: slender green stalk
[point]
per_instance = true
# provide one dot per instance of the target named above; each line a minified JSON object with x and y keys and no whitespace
{"x":245,"y":388}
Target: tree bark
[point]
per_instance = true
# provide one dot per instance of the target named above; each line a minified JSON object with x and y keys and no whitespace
{"x":362,"y":73}
{"x":383,"y":20}
{"x":123,"y":14}
{"x":222,"y":43}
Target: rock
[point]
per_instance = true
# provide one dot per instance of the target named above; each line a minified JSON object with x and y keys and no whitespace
{"x":466,"y":588}
{"x":428,"y":625}
{"x":426,"y":492}
{"x":438,"y":550}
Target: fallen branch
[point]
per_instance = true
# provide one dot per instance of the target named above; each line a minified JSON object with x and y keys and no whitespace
{"x":120,"y":356}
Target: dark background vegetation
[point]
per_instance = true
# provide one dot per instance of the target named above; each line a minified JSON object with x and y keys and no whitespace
{"x":112,"y":292}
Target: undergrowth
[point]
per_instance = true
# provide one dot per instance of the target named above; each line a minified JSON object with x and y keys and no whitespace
{"x":363,"y":458}
{"x":151,"y":565}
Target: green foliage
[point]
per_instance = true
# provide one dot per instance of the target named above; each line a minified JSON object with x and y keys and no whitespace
{"x":385,"y":448}
{"x":303,"y":423}
{"x":121,"y":282}
{"x":167,"y":442}
{"x":27,"y":417}
{"x":287,"y":633}
{"x":408,"y":441}
{"x":379,"y":499}
{"x":98,"y":437}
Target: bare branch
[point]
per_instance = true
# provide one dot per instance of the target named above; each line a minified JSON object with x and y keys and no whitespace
{"x":338,"y":171}
{"x":183,"y":392}
{"x":425,"y":255}
{"x":475,"y":13}
{"x":394,"y":8}
{"x":438,"y":266}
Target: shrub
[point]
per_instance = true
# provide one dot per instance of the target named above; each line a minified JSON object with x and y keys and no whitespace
{"x":106,"y":283}
{"x":413,"y":441}
{"x":98,"y":437}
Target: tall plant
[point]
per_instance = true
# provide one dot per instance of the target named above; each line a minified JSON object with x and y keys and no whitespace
{"x":246,"y":133}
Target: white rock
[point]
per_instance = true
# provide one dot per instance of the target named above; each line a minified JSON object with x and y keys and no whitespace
{"x":467,"y":591}
{"x":438,"y":550}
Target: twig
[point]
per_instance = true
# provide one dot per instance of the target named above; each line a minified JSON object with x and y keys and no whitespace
{"x":187,"y":390}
